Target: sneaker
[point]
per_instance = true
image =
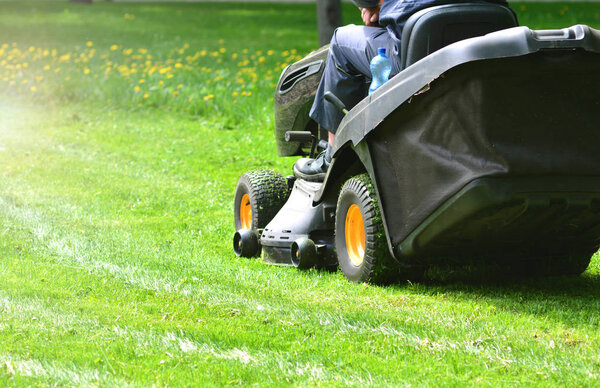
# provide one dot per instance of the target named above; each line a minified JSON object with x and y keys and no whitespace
{"x":313,"y":170}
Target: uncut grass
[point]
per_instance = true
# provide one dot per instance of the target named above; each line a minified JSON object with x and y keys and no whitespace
{"x":116,"y":223}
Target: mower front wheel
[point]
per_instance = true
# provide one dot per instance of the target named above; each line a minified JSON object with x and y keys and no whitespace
{"x":259,"y":195}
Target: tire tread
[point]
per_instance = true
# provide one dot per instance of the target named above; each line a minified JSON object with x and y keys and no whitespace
{"x":268,"y":191}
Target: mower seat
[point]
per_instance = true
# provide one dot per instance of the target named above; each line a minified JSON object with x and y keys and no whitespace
{"x":433,"y":28}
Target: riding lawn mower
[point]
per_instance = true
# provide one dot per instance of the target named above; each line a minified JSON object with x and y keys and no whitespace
{"x":483,"y":148}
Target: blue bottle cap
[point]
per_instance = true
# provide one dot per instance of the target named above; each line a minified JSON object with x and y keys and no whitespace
{"x":381,"y":51}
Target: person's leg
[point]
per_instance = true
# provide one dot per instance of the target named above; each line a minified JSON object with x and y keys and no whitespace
{"x":347,"y":75}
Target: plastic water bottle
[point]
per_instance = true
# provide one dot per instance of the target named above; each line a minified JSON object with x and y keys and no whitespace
{"x":381,"y":66}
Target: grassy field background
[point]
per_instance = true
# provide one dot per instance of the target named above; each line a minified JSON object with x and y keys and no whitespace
{"x":123,"y":130}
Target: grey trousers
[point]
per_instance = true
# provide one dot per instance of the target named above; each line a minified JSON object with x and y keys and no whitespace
{"x":347,"y":73}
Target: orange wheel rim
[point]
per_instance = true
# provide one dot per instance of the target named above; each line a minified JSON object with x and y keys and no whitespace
{"x":246,"y":212}
{"x":355,"y":235}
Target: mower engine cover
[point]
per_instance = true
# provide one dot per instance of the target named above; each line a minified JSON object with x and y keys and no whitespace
{"x":294,"y":96}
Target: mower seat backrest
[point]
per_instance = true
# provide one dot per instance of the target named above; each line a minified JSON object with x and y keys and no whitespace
{"x":433,"y":28}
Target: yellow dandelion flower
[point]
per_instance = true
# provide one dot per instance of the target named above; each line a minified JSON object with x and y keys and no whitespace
{"x":86,"y":71}
{"x":179,"y":86}
{"x":146,"y":95}
{"x":221,"y":41}
{"x":178,"y":65}
{"x":136,"y":89}
{"x":142,"y":51}
{"x":39,"y":78}
{"x":89,"y":43}
{"x":33,"y":89}
{"x":235,"y":101}
{"x":31,"y":49}
{"x":222,"y":50}
{"x":161,"y":82}
{"x":142,"y":81}
{"x":175,"y":93}
{"x":191,"y":99}
{"x":234,"y":93}
{"x":270,"y":52}
{"x":47,"y":67}
{"x":114,"y":47}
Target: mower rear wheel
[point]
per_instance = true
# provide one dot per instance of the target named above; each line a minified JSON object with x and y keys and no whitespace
{"x":259,"y":195}
{"x":360,"y":241}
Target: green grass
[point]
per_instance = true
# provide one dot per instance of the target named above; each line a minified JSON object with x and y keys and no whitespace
{"x":116,"y":265}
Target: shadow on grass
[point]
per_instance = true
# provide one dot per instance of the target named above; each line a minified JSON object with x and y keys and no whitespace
{"x":568,"y":300}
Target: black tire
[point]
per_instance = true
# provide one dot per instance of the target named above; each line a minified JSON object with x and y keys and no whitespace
{"x":376,"y":264}
{"x":245,"y":243}
{"x":264,"y":193}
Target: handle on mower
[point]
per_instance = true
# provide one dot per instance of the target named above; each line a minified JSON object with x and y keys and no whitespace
{"x":306,"y":137}
{"x":332,"y":98}
{"x":299,"y":136}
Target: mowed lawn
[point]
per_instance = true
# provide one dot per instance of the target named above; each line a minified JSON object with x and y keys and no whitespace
{"x":123,"y":130}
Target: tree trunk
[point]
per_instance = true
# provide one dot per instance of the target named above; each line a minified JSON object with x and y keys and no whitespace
{"x":329,"y":17}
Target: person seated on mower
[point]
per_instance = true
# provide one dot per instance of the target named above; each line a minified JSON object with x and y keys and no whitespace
{"x":347,"y":73}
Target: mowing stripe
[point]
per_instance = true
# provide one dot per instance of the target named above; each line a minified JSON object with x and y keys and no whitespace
{"x":57,"y":371}
{"x":71,"y":250}
{"x":47,"y":318}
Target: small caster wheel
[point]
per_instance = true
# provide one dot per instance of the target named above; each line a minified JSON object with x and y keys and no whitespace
{"x":245,"y":243}
{"x":304,"y":253}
